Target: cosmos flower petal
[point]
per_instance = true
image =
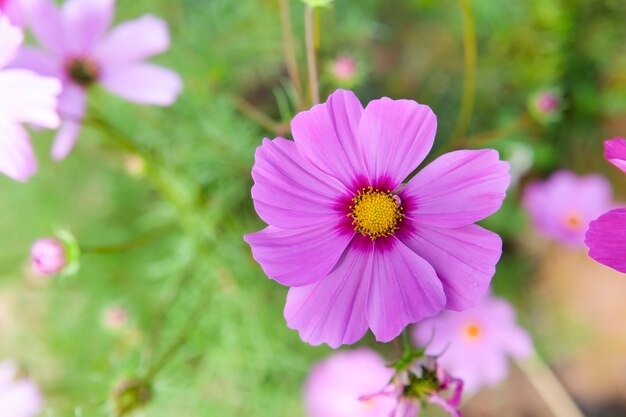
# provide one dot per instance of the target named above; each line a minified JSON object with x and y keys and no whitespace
{"x":45,"y":22}
{"x":290,"y":193}
{"x":452,"y":410}
{"x":297,"y":257}
{"x":85,"y":22}
{"x":457,"y":189}
{"x":72,"y":104}
{"x":144,"y":84}
{"x":615,"y":152}
{"x":607,"y":241}
{"x":133,"y":41}
{"x":17,"y":159}
{"x":28,"y":97}
{"x":395,"y":136}
{"x":65,"y":140}
{"x":11,"y":38}
{"x":333,"y":311}
{"x":37,"y":60}
{"x":465,"y":259}
{"x":326,"y":136}
{"x":407,"y":408}
{"x":404,"y":289}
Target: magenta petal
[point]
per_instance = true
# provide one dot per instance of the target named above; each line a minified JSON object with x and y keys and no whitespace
{"x":333,"y":311}
{"x":10,"y":40}
{"x":65,"y":140}
{"x":132,"y":42}
{"x":606,"y":239}
{"x":72,"y":105}
{"x":297,"y":257}
{"x":85,"y":22}
{"x":289,"y":193}
{"x":457,"y":189}
{"x":396,"y":136}
{"x":17,"y":159}
{"x":464,"y":258}
{"x":44,"y":20}
{"x":144,"y":84}
{"x":28,"y":97}
{"x":404,"y":289}
{"x":326,"y":136}
{"x":615,"y":152}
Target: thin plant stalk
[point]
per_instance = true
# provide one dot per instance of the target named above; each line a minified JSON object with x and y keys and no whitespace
{"x":138,"y":242}
{"x":548,"y":386}
{"x":309,"y":29}
{"x":290,"y":51}
{"x":469,"y":78}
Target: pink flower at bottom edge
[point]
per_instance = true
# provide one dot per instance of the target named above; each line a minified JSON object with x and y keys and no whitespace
{"x":19,"y":396}
{"x":78,"y":51}
{"x":26,"y":98}
{"x":606,"y":239}
{"x":359,"y":248}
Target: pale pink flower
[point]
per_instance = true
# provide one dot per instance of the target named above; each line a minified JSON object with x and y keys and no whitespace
{"x":115,"y":317}
{"x":48,"y":256}
{"x":475,"y":344}
{"x":344,"y":68}
{"x":26,"y":98}
{"x":11,"y":9}
{"x":78,"y":50}
{"x":336,"y":385}
{"x":19,"y":396}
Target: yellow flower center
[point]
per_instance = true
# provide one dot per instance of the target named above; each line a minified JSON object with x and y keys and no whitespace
{"x":472,"y":331}
{"x":375,"y":213}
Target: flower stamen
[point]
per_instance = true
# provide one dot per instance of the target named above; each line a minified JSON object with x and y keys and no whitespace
{"x":82,"y":71}
{"x":376,"y":213}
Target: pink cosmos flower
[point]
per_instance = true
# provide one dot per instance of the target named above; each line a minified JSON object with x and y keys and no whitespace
{"x":344,"y":68}
{"x":562,"y":206}
{"x":19,"y":396}
{"x":11,"y":9}
{"x":79,"y":52}
{"x":606,"y":237}
{"x":475,"y":344}
{"x":48,"y":256}
{"x":422,"y":381}
{"x":359,"y":248}
{"x":335,"y":386}
{"x":26,"y":98}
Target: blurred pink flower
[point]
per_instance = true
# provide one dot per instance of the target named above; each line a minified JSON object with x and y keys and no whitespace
{"x":562,"y":206}
{"x":79,"y":52}
{"x":26,"y":98}
{"x":422,"y":381}
{"x":358,"y":247}
{"x":606,"y":237}
{"x":344,"y":68}
{"x":48,"y":256}
{"x":335,"y":385}
{"x":475,"y":344}
{"x":547,"y":102}
{"x":115,"y":317}
{"x":11,"y":9}
{"x":19,"y":396}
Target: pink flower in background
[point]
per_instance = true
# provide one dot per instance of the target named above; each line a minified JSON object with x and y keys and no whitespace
{"x":344,"y":68}
{"x":335,"y":386}
{"x":26,"y":98}
{"x":360,"y":249}
{"x":475,"y":344}
{"x":48,"y":256}
{"x":11,"y":9}
{"x":79,"y":52}
{"x":547,"y":102}
{"x":615,"y":152}
{"x":19,"y":396}
{"x":115,"y":317}
{"x":606,"y":237}
{"x":562,"y":206}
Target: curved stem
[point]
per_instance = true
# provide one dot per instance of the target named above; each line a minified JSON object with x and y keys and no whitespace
{"x":309,"y":28}
{"x":548,"y":386}
{"x":290,"y":50}
{"x":138,"y":242}
{"x":469,"y":79}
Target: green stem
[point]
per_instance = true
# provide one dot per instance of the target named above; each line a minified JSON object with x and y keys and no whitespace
{"x":138,"y":242}
{"x":290,"y":51}
{"x":406,"y":342}
{"x":309,"y":31}
{"x":469,"y":79}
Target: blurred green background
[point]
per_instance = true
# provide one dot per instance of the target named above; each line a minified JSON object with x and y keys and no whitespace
{"x":239,"y":358}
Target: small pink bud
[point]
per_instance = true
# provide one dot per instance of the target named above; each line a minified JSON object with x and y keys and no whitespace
{"x":344,"y":68}
{"x":48,"y":256}
{"x":115,"y":317}
{"x":547,"y":102}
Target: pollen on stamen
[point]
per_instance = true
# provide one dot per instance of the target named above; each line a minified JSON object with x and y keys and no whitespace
{"x":375,"y":213}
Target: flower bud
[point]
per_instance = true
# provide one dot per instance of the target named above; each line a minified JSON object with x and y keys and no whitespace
{"x":344,"y":68}
{"x":48,"y":256}
{"x":130,"y":395}
{"x":546,"y":105}
{"x":115,"y":317}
